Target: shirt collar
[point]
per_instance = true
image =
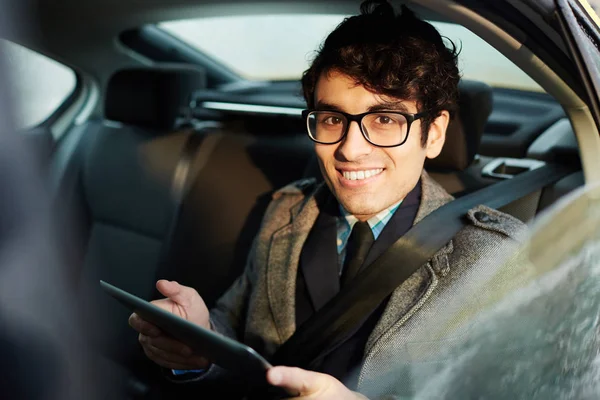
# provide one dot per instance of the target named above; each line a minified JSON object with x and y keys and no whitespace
{"x":377,"y":222}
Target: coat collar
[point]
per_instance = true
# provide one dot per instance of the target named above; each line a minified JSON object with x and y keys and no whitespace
{"x":319,"y":261}
{"x":433,"y":196}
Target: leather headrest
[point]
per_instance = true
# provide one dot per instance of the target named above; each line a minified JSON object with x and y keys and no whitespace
{"x":465,"y":130}
{"x":152,"y":97}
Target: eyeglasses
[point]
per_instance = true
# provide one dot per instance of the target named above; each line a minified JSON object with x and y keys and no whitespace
{"x":380,"y":128}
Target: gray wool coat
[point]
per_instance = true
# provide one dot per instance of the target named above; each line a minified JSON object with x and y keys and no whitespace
{"x":437,"y":304}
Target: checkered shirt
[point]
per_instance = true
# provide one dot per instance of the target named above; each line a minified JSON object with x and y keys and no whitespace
{"x":346,"y":222}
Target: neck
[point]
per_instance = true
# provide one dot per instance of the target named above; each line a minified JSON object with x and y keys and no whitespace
{"x":366,"y":217}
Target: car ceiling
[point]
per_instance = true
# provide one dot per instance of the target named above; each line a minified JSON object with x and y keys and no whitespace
{"x":74,"y":30}
{"x":119,"y":15}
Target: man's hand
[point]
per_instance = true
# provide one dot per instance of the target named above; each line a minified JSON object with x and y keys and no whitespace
{"x":162,"y":349}
{"x":305,"y":384}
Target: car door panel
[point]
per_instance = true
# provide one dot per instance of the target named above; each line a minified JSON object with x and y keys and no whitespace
{"x":517,"y":119}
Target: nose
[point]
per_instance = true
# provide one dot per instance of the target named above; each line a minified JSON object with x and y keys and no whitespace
{"x":354,"y":146}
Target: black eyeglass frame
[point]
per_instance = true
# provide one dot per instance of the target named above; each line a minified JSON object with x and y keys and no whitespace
{"x":410,"y":118}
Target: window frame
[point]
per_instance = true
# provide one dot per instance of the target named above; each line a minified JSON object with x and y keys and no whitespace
{"x":160,"y":46}
{"x":68,"y":101}
{"x":65,"y":105}
{"x":578,"y":27}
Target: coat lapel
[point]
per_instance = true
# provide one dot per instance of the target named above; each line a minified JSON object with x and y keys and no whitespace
{"x":433,"y":196}
{"x":319,"y":261}
{"x":282,"y":263}
{"x":413,"y":292}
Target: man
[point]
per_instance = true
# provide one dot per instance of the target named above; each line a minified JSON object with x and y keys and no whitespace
{"x":380,"y":93}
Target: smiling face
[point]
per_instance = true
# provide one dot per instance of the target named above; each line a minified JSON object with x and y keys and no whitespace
{"x":364,"y":178}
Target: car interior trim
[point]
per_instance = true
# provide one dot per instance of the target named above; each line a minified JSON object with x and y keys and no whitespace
{"x":560,"y":134}
{"x":576,"y":32}
{"x":68,"y":117}
{"x":568,"y":20}
{"x":91,"y":99}
{"x":138,"y":56}
{"x":506,"y":168}
{"x":252,"y":109}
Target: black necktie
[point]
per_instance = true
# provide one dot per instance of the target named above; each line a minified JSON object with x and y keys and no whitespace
{"x":360,"y":241}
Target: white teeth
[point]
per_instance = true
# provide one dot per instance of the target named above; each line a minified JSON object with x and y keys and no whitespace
{"x":359,"y":175}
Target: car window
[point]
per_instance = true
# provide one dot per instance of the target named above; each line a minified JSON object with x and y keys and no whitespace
{"x":39,"y":85}
{"x":280,"y":47}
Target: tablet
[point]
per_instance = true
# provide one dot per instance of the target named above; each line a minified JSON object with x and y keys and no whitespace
{"x":222,"y":351}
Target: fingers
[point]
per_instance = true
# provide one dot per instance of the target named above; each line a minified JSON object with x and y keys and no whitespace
{"x":296,"y":381}
{"x":183,"y":301}
{"x":180,"y":294}
{"x":153,"y":347}
{"x":167,"y":344}
{"x":142,"y":326}
{"x":188,"y":364}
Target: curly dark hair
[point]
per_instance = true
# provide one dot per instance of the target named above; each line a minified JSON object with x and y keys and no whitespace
{"x":400,"y":56}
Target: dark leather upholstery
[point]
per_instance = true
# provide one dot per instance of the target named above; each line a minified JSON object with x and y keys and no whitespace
{"x":151,"y":97}
{"x":102,"y":169}
{"x":465,"y":130}
{"x":123,"y":176}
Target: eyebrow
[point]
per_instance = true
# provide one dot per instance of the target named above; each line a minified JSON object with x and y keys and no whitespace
{"x":385,"y":106}
{"x":389,"y":106}
{"x":322,"y":105}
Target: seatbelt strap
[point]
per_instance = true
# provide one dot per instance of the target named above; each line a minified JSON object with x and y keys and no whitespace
{"x":346,"y":312}
{"x":180,"y":184}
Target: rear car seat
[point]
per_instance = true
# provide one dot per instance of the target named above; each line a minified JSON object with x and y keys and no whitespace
{"x":117,"y":172}
{"x":123,"y":208}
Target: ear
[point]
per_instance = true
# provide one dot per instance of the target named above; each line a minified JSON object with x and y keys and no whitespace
{"x":437,"y":135}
